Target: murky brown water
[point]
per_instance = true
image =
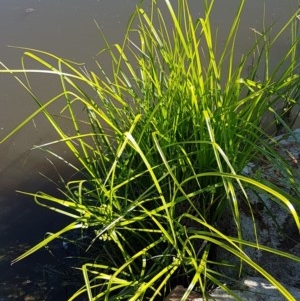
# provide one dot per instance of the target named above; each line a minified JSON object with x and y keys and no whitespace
{"x":66,"y":28}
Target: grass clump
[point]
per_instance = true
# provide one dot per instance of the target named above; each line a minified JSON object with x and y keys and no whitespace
{"x":161,"y":151}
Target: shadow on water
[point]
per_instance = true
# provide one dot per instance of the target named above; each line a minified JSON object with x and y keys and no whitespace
{"x":43,"y":275}
{"x":24,"y":224}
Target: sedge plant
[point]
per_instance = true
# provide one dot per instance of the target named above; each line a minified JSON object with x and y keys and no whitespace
{"x":161,"y":149}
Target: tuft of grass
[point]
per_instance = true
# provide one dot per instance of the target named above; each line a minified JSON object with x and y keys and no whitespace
{"x":161,"y":151}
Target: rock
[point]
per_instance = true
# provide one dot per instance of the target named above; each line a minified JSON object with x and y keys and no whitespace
{"x":249,"y":289}
{"x":275,"y":227}
{"x":255,"y":289}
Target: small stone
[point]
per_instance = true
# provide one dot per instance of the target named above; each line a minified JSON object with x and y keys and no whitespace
{"x":177,"y":293}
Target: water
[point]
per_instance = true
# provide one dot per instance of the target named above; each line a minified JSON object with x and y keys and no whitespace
{"x":67,"y":28}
